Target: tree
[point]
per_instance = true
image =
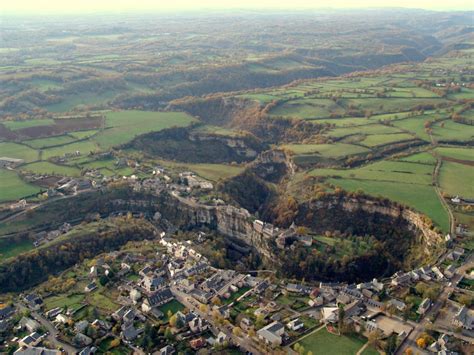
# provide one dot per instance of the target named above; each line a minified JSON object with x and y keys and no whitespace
{"x":203,"y":308}
{"x":173,"y":320}
{"x":268,"y":293}
{"x":168,"y":334}
{"x":391,"y":345}
{"x":465,"y":299}
{"x":421,"y":342}
{"x":408,"y":351}
{"x":237,"y":331}
{"x":341,"y":315}
{"x":260,"y":321}
{"x":115,"y":343}
{"x":216,"y":301}
{"x":375,"y":338}
{"x":251,"y":332}
{"x":103,"y":280}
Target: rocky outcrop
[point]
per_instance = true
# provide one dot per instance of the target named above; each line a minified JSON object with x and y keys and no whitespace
{"x":398,"y":227}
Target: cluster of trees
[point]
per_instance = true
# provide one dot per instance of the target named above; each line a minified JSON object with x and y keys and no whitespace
{"x":248,"y":191}
{"x":311,"y":264}
{"x":35,"y":266}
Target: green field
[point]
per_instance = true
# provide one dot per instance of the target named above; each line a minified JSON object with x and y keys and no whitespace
{"x":83,"y":134}
{"x":212,"y":172}
{"x":456,"y":153}
{"x":307,"y":108}
{"x":395,"y":171}
{"x":406,"y":182}
{"x":453,"y":131}
{"x":12,"y":187}
{"x":335,"y":150}
{"x":382,"y":139}
{"x":422,"y":158}
{"x":323,"y":342}
{"x":457,"y":179}
{"x":16,"y":125}
{"x":422,"y":198}
{"x":102,"y":302}
{"x":49,"y":142}
{"x":84,"y":148}
{"x":10,"y":248}
{"x":44,"y":167}
{"x":18,"y":151}
{"x":73,"y":301}
{"x":123,"y":126}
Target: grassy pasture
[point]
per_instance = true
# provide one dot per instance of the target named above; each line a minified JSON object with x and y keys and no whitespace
{"x":387,"y":105}
{"x":83,"y":98}
{"x":307,"y":108}
{"x":45,"y":167}
{"x":123,"y":126}
{"x":18,"y":151}
{"x":61,"y":301}
{"x":422,"y":198}
{"x":457,"y":179}
{"x":406,"y":182}
{"x":212,"y":172}
{"x":218,"y":131}
{"x":344,"y":122}
{"x":414,"y":125}
{"x":12,"y":187}
{"x":16,"y":125}
{"x":453,"y":131}
{"x":394,"y":171}
{"x":83,"y":134}
{"x":336,"y":150}
{"x":9,"y":249}
{"x":368,"y":129}
{"x":49,"y":142}
{"x":422,"y":158}
{"x":456,"y":153}
{"x":84,"y":147}
{"x":382,"y":139}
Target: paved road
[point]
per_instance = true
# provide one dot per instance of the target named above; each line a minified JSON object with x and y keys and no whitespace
{"x":244,"y":343}
{"x":53,"y":332}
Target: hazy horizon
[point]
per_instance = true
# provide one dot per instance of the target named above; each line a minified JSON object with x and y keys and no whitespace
{"x":32,"y":7}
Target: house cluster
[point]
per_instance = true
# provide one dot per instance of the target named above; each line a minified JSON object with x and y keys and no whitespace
{"x":10,"y":163}
{"x":209,"y":301}
{"x":193,"y":181}
{"x":426,"y":273}
{"x":46,"y":237}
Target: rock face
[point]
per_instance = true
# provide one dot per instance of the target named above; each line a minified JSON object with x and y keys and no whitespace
{"x":394,"y":224}
{"x":415,"y":222}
